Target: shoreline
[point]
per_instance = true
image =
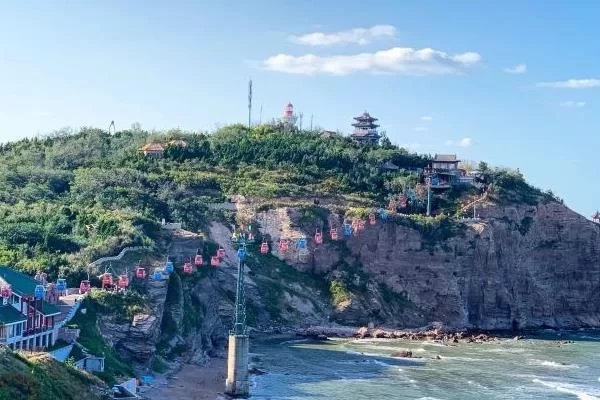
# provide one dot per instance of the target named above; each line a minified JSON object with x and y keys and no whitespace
{"x":191,"y":382}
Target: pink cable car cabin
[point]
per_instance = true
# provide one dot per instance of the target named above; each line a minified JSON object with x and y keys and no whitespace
{"x":221,"y":252}
{"x":6,"y":291}
{"x":123,"y":281}
{"x":140,"y":272}
{"x":361,"y":225}
{"x":283,"y":245}
{"x":318,"y":237}
{"x":372,"y":219}
{"x":85,"y":286}
{"x":333,"y":233}
{"x":214,"y":261}
{"x":198,"y":260}
{"x":188,"y":268}
{"x":264,"y":248}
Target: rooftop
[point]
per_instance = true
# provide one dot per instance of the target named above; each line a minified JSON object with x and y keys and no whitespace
{"x":10,"y":315}
{"x":152,"y":147}
{"x":446,"y":158}
{"x":365,"y":116}
{"x":22,"y":285}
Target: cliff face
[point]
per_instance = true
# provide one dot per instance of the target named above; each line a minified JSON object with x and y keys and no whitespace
{"x":517,"y":267}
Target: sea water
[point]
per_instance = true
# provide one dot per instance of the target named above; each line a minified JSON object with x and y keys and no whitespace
{"x":540,"y":367}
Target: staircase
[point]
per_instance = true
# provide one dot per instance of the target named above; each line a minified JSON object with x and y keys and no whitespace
{"x":470,"y":205}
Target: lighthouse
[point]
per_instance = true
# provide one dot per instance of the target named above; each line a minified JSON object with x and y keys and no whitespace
{"x":289,"y":117}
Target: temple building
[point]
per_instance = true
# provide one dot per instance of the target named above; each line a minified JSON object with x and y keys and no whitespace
{"x":365,"y":129}
{"x":27,"y":320}
{"x":444,"y":172}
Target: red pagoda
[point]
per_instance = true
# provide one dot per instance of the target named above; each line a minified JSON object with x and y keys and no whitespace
{"x":365,"y":129}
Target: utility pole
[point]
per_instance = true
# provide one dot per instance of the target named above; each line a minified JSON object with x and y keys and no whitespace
{"x":311,"y":121}
{"x":250,"y":104}
{"x":428,"y":196}
{"x":300,"y":117}
{"x":260,"y":116}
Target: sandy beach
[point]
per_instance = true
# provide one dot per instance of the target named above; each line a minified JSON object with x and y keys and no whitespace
{"x":191,"y":383}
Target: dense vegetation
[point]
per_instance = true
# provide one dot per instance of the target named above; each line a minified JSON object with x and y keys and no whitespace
{"x":71,"y":197}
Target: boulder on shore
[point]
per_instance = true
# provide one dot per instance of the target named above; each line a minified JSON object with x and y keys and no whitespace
{"x":402,"y":354}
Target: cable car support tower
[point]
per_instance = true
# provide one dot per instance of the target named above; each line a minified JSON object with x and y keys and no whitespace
{"x":237,"y":384}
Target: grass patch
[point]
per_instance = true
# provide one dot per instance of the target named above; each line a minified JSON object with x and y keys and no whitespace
{"x":339,"y":292}
{"x":122,"y":305}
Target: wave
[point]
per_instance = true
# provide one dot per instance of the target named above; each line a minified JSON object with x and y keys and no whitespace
{"x":295,"y":341}
{"x":554,"y":364}
{"x":567,"y":388}
{"x":468,"y":359}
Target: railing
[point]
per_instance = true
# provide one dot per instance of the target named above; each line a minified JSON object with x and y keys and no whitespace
{"x":117,"y":257}
{"x":70,"y":314}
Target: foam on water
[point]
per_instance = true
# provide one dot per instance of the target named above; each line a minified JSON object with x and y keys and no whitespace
{"x":569,"y":389}
{"x":553,"y":364}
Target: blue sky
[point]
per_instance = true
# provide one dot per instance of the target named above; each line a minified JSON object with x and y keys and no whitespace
{"x":186,"y":64}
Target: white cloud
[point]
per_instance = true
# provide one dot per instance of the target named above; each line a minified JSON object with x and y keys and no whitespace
{"x":517,"y":69}
{"x":426,"y":118}
{"x":464,"y":142}
{"x":571,"y":103}
{"x":360,"y":36}
{"x":400,"y":60}
{"x":571,"y":84}
{"x":420,"y":129}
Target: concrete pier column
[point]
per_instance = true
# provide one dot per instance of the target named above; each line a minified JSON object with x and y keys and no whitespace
{"x":237,"y":366}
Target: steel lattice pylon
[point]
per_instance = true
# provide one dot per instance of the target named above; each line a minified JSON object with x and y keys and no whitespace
{"x":240,"y":302}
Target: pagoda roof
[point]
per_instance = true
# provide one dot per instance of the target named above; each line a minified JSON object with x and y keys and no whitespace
{"x":449,"y":158}
{"x":365,"y":133}
{"x":365,"y":117}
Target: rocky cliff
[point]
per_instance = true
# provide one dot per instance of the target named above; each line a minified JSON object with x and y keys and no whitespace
{"x":516,"y":267}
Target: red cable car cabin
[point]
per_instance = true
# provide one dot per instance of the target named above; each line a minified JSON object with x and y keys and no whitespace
{"x":107,"y":280}
{"x":84,"y":287}
{"x":140,"y":272}
{"x":214,"y":261}
{"x":221,"y":252}
{"x":264,"y":248}
{"x":198,"y":260}
{"x":123,"y":281}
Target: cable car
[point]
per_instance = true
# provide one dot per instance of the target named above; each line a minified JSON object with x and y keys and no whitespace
{"x":333,"y":233}
{"x":383,"y":214}
{"x":221,"y":252}
{"x":123,"y":281}
{"x":303,"y":254}
{"x":107,"y":280}
{"x":241,"y":253}
{"x":318,"y":237}
{"x":264,"y":247}
{"x":301,"y":242}
{"x":198,"y":260}
{"x":6,"y":291}
{"x":85,"y":286}
{"x":140,"y":272}
{"x":250,"y":237}
{"x":188,"y":268}
{"x":372,"y":220}
{"x":157,"y":275}
{"x":214,"y":261}
{"x":169,"y":267}
{"x":61,"y":285}
{"x":347,"y":229}
{"x":39,"y":292}
{"x":283,"y":245}
{"x":360,"y":225}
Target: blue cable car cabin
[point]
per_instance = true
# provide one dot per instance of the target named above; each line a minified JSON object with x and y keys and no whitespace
{"x":39,"y":292}
{"x":61,"y":285}
{"x":169,"y":267}
{"x":157,"y":276}
{"x":347,"y":229}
